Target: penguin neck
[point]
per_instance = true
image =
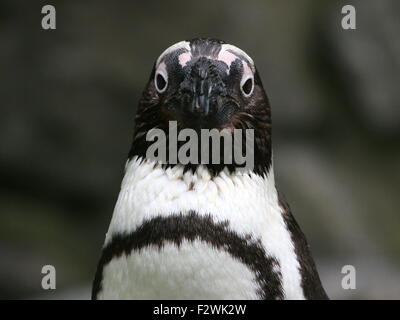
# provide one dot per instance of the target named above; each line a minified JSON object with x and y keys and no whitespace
{"x":148,"y":189}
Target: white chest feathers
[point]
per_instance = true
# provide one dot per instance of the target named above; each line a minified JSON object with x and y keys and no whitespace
{"x":232,"y":228}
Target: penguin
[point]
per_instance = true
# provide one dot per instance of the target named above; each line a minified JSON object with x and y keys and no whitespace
{"x":203,"y":230}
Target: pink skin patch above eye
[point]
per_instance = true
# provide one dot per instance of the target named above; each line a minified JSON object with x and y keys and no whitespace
{"x":227,"y":57}
{"x":247,"y":72}
{"x":162,"y":68}
{"x":184,"y":58}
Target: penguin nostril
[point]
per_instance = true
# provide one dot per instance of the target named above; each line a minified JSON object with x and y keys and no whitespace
{"x":203,"y":73}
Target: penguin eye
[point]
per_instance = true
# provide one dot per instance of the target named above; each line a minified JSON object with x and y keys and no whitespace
{"x":161,"y":82}
{"x":247,"y":86}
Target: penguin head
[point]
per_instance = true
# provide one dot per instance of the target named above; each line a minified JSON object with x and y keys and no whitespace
{"x":205,"y":84}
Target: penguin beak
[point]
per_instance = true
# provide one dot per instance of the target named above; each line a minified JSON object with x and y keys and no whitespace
{"x":202,"y":89}
{"x":201,"y":98}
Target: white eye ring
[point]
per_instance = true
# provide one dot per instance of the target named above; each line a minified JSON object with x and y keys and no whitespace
{"x":247,"y":86}
{"x":161,"y":81}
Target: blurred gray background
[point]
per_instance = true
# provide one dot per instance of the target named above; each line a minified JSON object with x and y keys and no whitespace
{"x":68,"y":100}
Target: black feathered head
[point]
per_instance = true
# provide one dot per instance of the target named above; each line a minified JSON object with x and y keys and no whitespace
{"x":205,"y":84}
